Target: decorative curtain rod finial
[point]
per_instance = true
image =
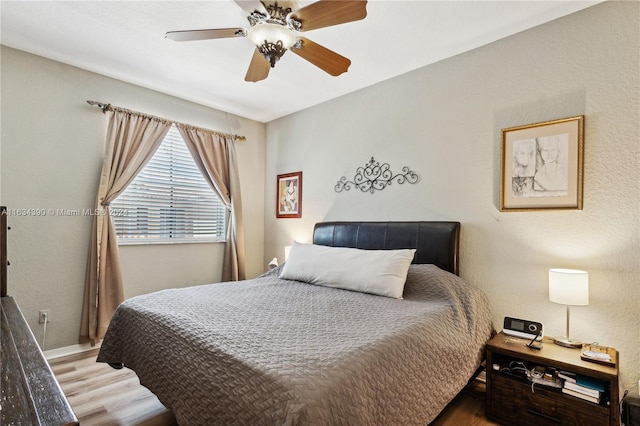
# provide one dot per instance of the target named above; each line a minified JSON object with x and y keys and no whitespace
{"x":103,"y":106}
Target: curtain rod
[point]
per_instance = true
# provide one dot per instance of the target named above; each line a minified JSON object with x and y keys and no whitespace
{"x":109,"y":107}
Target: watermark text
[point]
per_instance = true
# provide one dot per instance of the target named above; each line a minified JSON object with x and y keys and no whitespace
{"x":40,"y":212}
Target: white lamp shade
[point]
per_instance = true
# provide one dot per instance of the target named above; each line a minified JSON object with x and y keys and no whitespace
{"x":260,"y":33}
{"x":569,"y":287}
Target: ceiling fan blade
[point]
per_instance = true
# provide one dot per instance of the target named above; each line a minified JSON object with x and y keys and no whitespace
{"x":250,"y":6}
{"x":325,"y":13}
{"x":323,"y":58}
{"x":191,"y":35}
{"x":258,"y":68}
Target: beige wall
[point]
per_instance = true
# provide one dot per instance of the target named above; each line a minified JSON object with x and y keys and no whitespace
{"x":444,"y":121}
{"x":52,"y":148}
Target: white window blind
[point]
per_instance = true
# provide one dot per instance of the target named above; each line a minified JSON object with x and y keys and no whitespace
{"x":169,"y":201}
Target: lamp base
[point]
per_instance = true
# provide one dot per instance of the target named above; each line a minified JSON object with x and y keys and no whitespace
{"x":567,"y":342}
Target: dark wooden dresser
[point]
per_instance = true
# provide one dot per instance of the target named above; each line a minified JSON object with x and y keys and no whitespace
{"x":30,"y":393}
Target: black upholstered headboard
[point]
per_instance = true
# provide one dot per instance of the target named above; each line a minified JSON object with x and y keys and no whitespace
{"x":435,"y":242}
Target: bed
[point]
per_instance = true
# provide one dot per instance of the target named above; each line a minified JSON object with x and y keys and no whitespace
{"x":280,"y":351}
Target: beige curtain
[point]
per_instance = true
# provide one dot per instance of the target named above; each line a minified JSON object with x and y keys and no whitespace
{"x":215,"y":155}
{"x":132,"y":139}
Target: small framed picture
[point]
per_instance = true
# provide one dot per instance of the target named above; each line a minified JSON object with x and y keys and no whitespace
{"x":289,"y":193}
{"x":542,"y":165}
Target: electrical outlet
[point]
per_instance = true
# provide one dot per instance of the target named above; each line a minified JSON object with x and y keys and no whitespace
{"x":44,"y":316}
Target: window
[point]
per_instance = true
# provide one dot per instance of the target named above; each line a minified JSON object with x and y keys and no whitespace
{"x":169,"y":201}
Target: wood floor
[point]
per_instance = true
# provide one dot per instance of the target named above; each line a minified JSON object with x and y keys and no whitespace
{"x":101,"y":395}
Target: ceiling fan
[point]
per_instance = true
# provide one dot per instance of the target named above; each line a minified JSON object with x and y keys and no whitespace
{"x":273,"y":29}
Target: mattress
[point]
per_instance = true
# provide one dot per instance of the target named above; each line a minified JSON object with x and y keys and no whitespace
{"x":270,"y":351}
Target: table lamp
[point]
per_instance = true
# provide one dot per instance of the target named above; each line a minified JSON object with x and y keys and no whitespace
{"x":568,"y":287}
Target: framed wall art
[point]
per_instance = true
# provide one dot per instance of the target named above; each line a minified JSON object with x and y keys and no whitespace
{"x":289,"y":193}
{"x":542,"y":165}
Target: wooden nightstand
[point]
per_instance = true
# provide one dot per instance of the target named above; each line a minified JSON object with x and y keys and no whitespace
{"x":511,"y":399}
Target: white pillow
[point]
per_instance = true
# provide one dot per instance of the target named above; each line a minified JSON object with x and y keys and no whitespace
{"x":381,"y":272}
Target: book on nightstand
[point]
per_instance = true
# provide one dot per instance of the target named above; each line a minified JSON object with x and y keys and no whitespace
{"x":586,"y":388}
{"x":581,"y":395}
{"x":586,"y":391}
{"x":590,"y":383}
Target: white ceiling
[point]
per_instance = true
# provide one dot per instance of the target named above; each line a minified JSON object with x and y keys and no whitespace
{"x":125,"y":40}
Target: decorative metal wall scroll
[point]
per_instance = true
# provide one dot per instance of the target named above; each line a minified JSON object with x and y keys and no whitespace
{"x":375,"y":177}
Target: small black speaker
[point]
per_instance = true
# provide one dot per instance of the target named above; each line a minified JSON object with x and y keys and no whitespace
{"x":631,"y":411}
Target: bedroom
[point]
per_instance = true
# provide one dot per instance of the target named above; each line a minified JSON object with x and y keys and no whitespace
{"x":443,"y":121}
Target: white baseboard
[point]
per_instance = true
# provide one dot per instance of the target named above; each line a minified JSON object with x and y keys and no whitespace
{"x":69,"y":350}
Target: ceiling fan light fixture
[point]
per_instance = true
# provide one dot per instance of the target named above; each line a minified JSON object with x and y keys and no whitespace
{"x":272,"y":40}
{"x":274,"y":29}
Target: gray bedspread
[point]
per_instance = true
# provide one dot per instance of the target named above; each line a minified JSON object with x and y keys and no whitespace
{"x":269,"y":351}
